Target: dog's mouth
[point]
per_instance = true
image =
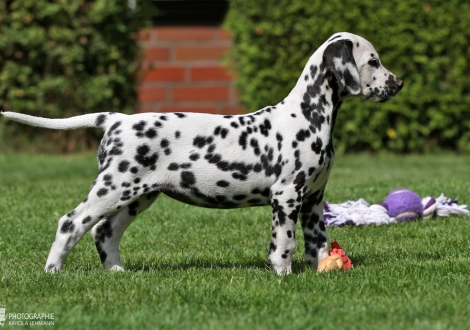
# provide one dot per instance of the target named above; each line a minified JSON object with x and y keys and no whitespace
{"x":378,"y":98}
{"x":385,"y":94}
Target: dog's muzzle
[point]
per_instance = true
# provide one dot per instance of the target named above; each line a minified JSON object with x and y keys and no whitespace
{"x":392,"y":87}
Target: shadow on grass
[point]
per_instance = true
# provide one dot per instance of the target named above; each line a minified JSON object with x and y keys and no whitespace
{"x":297,"y":267}
{"x":377,"y":258}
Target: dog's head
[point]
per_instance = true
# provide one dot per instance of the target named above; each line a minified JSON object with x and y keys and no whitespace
{"x":358,"y":69}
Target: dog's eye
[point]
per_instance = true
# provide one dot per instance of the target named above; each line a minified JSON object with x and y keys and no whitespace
{"x":374,"y":62}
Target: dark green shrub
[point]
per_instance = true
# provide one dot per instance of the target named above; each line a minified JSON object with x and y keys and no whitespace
{"x":65,"y":58}
{"x":426,"y":43}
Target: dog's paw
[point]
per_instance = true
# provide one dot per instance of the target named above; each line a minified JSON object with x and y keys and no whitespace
{"x":116,"y":268}
{"x":282,"y":270}
{"x":51,"y":269}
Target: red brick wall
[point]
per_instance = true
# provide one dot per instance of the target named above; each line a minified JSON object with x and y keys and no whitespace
{"x":182,"y":71}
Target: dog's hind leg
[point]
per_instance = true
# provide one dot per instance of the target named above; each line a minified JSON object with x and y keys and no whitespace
{"x":100,"y":203}
{"x":107,"y":233}
{"x":70,"y":230}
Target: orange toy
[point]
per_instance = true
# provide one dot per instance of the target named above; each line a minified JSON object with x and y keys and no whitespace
{"x":336,"y":260}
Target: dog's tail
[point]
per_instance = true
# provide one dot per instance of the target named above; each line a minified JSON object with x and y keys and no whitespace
{"x":88,"y":120}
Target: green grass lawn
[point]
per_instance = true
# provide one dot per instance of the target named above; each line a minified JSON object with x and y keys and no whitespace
{"x":195,"y":268}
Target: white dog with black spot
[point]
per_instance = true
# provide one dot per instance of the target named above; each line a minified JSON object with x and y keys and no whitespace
{"x":280,"y":156}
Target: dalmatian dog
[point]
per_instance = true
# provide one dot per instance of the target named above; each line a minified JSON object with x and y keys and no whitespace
{"x":280,"y":156}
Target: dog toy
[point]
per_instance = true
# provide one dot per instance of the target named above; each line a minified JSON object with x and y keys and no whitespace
{"x":337,"y":259}
{"x":400,"y":205}
{"x":403,"y":204}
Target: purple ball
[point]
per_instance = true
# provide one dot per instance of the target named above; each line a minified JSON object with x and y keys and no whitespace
{"x":403,"y":204}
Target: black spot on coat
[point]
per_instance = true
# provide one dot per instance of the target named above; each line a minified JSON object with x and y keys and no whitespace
{"x":164,"y":143}
{"x":265,"y":127}
{"x":302,"y":135}
{"x":102,"y":192}
{"x":151,"y":133}
{"x":114,"y":126}
{"x":144,"y":158}
{"x":200,"y":141}
{"x":223,"y":183}
{"x":100,"y":120}
{"x":133,"y":208}
{"x":194,"y":157}
{"x":123,"y":166}
{"x":317,"y":146}
{"x":139,"y":126}
{"x":242,"y":140}
{"x":187,"y":179}
{"x":67,"y":227}
{"x":173,"y":167}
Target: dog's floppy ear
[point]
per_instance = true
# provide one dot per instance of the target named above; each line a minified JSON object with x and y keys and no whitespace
{"x":338,"y":59}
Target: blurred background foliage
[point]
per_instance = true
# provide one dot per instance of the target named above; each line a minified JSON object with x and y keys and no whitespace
{"x":60,"y":58}
{"x":426,"y":43}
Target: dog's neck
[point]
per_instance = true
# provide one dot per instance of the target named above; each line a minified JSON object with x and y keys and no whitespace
{"x":318,"y":96}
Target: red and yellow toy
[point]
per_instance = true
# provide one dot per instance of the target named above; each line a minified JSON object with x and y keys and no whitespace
{"x":336,"y":260}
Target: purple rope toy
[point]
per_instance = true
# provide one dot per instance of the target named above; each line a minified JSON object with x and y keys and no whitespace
{"x":400,"y":205}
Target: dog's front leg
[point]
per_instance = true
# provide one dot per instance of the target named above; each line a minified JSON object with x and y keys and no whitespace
{"x":316,"y":239}
{"x":285,"y":209}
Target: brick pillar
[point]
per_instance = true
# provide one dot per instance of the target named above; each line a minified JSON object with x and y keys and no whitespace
{"x":182,"y":71}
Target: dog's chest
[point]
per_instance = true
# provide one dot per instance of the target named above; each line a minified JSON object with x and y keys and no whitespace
{"x":313,"y":160}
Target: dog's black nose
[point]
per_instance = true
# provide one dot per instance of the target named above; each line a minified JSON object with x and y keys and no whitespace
{"x":400,"y":84}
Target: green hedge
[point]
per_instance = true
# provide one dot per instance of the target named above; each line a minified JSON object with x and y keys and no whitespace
{"x":426,"y":43}
{"x":61,"y":58}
